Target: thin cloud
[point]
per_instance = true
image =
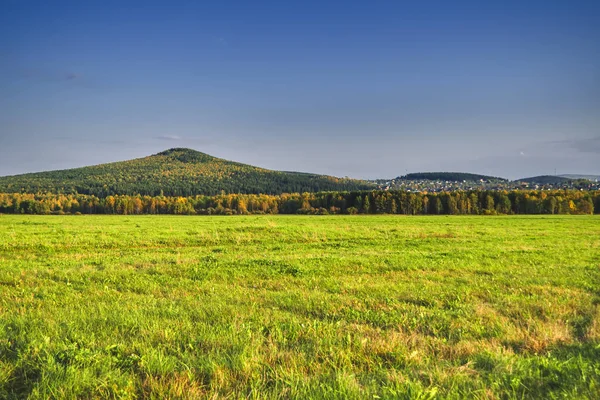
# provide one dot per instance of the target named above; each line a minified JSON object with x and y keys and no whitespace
{"x":49,"y":75}
{"x":586,"y":145}
{"x":591,"y":145}
{"x":220,"y":40}
{"x":71,"y":76}
{"x":168,"y":137}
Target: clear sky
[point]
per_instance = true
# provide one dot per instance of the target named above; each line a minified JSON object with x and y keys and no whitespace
{"x":363,"y":89}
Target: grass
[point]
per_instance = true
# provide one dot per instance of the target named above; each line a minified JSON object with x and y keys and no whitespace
{"x":299,"y":307}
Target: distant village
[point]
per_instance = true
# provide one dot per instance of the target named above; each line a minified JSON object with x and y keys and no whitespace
{"x":433,"y":186}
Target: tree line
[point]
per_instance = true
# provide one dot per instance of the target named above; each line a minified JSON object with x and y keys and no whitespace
{"x":356,"y":202}
{"x":449,"y":176}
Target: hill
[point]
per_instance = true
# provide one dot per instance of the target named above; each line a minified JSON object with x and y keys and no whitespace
{"x":175,"y":172}
{"x":448,"y":176}
{"x":545,"y":179}
{"x":592,"y":178}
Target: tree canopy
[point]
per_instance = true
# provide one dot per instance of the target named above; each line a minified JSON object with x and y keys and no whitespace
{"x":174,"y":172}
{"x":364,"y":202}
{"x":449,"y":176}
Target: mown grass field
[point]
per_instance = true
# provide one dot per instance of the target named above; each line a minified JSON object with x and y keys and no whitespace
{"x":299,"y":307}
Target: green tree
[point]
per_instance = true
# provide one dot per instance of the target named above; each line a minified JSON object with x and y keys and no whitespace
{"x":366,"y":207}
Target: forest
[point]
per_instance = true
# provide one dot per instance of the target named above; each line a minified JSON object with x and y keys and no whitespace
{"x":175,"y":172}
{"x":347,"y":202}
{"x":450,"y":176}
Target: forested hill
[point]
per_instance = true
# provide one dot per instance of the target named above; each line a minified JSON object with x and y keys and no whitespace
{"x":449,"y":176}
{"x":175,"y":172}
{"x":545,"y":179}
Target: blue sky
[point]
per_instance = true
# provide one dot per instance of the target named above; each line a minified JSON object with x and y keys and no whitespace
{"x":362,"y":89}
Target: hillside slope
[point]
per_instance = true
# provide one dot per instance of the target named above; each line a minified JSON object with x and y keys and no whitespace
{"x":449,"y":176}
{"x":545,"y":179}
{"x":577,"y":176}
{"x":175,"y":172}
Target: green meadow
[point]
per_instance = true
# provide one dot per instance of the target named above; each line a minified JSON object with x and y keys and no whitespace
{"x":302,"y":307}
